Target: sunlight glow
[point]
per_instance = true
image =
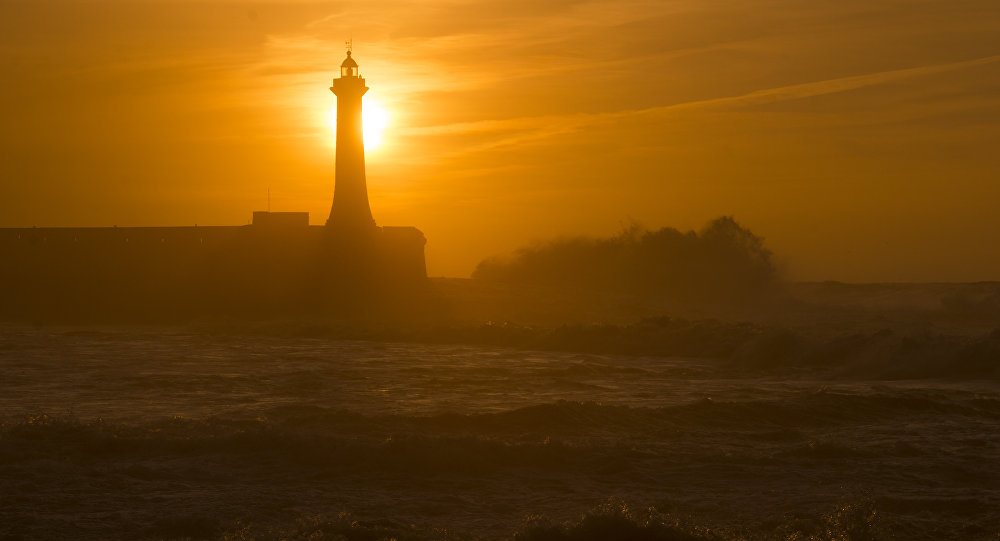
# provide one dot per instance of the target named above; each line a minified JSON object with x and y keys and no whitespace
{"x":375,"y":119}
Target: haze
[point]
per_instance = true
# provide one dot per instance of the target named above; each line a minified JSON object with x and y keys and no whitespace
{"x":858,"y":138}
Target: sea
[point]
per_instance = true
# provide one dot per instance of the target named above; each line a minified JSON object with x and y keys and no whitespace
{"x":186,"y":433}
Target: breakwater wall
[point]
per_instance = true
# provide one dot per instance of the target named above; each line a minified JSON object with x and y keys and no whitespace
{"x":166,"y":273}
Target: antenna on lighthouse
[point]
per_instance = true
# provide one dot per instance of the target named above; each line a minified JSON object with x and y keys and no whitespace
{"x":349,"y":43}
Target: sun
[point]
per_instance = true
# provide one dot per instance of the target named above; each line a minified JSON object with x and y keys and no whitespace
{"x":374,"y":118}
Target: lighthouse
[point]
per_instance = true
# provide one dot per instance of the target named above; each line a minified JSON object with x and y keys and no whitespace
{"x":350,"y":213}
{"x":358,"y":251}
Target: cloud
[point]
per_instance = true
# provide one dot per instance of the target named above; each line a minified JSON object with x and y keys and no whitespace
{"x":526,"y":130}
{"x":832,"y":86}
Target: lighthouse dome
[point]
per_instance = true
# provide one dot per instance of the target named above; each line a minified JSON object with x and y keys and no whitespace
{"x":349,"y":62}
{"x":349,"y":68}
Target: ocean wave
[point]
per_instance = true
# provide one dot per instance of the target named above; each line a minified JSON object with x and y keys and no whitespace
{"x":792,"y":411}
{"x":737,"y":347}
{"x":330,"y":450}
{"x":614,"y":519}
{"x":558,"y":434}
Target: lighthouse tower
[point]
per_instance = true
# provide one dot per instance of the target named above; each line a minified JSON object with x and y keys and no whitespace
{"x":360,"y":253}
{"x":351,"y":213}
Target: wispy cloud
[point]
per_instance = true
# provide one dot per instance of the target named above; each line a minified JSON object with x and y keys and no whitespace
{"x":833,"y":86}
{"x":525,"y":130}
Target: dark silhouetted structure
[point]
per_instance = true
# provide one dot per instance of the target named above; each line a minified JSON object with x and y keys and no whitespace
{"x":358,"y":248}
{"x":278,"y":265}
{"x":350,"y":212}
{"x":266,"y":218}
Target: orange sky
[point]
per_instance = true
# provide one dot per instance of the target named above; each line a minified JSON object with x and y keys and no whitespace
{"x":860,"y":138}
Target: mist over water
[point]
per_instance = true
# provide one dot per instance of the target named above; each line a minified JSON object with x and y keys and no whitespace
{"x":181,"y":433}
{"x":724,"y":262}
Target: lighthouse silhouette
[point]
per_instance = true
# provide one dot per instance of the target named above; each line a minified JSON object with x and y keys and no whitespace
{"x":351,"y":213}
{"x":358,"y":246}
